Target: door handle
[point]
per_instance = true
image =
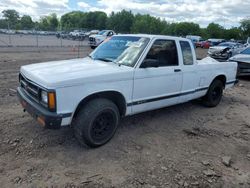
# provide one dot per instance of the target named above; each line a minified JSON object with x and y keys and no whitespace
{"x":177,"y":70}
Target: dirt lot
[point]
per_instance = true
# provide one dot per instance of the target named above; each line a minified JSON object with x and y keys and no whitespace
{"x":179,"y":146}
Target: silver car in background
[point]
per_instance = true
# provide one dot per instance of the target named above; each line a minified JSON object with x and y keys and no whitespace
{"x":225,"y":50}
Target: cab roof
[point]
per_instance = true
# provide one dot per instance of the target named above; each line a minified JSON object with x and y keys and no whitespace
{"x":154,"y":36}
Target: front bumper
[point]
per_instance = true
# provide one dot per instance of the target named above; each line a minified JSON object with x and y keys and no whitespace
{"x":45,"y":118}
{"x":92,"y":43}
{"x":218,"y":55}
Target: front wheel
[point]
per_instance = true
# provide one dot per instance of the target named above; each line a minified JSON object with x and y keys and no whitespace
{"x":214,"y":94}
{"x":96,"y":122}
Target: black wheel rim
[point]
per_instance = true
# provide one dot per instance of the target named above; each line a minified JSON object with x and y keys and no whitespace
{"x":216,"y":93}
{"x":103,"y":126}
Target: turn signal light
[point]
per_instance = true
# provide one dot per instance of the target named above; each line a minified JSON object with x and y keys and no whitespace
{"x":52,"y":101}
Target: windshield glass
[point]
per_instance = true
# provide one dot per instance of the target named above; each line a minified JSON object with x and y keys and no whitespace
{"x":102,"y":32}
{"x":123,"y":50}
{"x":246,"y":51}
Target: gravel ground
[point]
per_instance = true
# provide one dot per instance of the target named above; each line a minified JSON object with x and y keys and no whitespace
{"x":186,"y":145}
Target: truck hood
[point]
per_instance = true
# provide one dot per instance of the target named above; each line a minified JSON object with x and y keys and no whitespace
{"x":241,"y":58}
{"x":71,"y":72}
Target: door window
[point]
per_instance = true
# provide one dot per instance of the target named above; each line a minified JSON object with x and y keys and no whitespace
{"x":186,"y":53}
{"x":164,"y":53}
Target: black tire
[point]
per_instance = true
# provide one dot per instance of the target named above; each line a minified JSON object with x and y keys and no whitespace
{"x":92,"y":47}
{"x":214,"y":94}
{"x":96,"y":122}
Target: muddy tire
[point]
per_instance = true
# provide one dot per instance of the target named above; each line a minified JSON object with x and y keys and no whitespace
{"x":214,"y":94}
{"x":96,"y":122}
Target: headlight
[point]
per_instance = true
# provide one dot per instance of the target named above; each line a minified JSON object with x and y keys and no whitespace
{"x":48,"y":99}
{"x":44,"y":97}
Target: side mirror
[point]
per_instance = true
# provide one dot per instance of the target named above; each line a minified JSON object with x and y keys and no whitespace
{"x":150,"y":63}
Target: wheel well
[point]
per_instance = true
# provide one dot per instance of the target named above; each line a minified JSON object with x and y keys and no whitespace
{"x":114,"y":96}
{"x":222,"y":78}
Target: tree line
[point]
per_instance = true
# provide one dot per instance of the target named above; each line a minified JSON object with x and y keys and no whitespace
{"x":121,"y":22}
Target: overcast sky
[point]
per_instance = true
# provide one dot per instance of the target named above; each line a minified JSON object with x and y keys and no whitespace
{"x":228,"y":13}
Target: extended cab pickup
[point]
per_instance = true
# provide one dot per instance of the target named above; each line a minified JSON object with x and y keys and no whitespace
{"x":125,"y":75}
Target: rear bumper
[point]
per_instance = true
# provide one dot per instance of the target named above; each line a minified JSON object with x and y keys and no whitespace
{"x":243,"y":69}
{"x":45,"y":118}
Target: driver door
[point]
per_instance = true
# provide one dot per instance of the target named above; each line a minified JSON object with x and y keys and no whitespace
{"x":159,"y":83}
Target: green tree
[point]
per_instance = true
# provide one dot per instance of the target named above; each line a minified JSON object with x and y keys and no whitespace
{"x":245,"y":27}
{"x":147,"y":24}
{"x":73,"y":20}
{"x":53,"y":22}
{"x":233,"y":33}
{"x":3,"y":24}
{"x":12,"y":17}
{"x":121,"y":21}
{"x":215,"y":30}
{"x":26,"y":22}
{"x":95,"y":20}
{"x":49,"y":23}
{"x":187,"y":28}
{"x":43,"y":23}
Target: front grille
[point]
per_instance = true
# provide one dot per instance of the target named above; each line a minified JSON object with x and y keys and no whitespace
{"x":91,"y":39}
{"x":31,"y":89}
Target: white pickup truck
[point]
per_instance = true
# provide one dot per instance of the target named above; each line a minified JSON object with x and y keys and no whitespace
{"x":125,"y":75}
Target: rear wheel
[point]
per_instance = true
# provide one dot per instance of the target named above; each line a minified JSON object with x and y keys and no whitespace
{"x":96,"y":122}
{"x":92,"y":47}
{"x":214,"y":94}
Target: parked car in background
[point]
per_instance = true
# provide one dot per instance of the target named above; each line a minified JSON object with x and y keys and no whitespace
{"x":126,"y":75}
{"x":225,"y":50}
{"x":194,"y":37}
{"x":205,"y":44}
{"x":96,"y":40}
{"x":202,"y":44}
{"x":62,"y":34}
{"x":199,"y":43}
{"x":92,"y":32}
{"x":243,"y":60}
{"x":215,"y":42}
{"x":77,"y":35}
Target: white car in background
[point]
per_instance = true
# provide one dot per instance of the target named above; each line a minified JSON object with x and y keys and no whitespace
{"x":225,"y":50}
{"x":96,"y":40}
{"x":92,"y":32}
{"x":243,"y":60}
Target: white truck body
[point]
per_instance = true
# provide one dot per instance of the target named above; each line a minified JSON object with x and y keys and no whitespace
{"x":142,"y":88}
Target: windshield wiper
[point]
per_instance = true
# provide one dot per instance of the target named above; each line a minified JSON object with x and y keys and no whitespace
{"x":104,"y":59}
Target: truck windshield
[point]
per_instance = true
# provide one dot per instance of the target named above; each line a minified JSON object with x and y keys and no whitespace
{"x":123,"y":50}
{"x":102,"y":32}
